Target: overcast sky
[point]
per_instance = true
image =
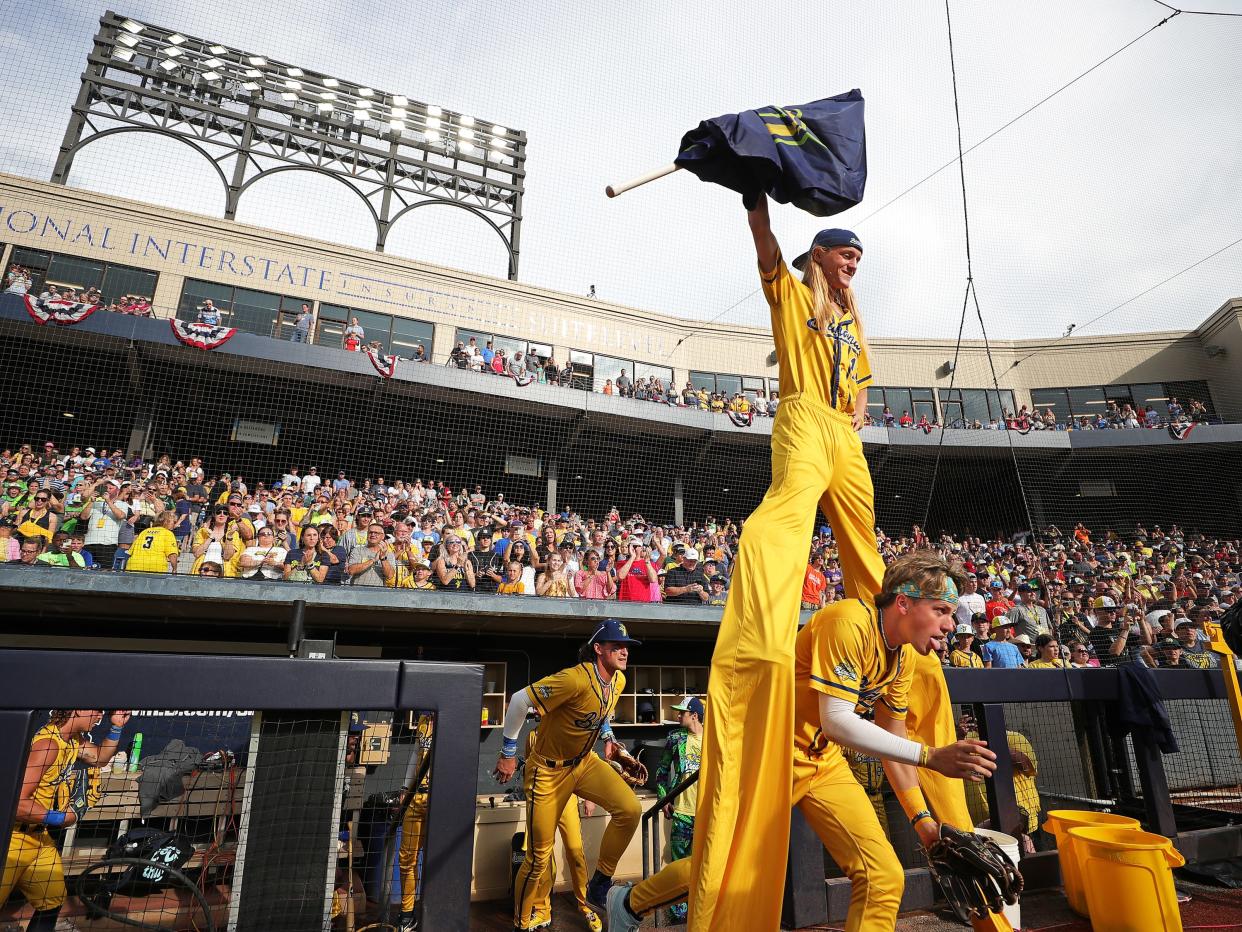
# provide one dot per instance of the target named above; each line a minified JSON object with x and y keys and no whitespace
{"x":1115,"y":184}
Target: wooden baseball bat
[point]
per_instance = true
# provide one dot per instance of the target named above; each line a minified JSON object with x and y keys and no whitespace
{"x":614,"y":189}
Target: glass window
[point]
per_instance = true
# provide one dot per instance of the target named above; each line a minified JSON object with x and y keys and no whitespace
{"x":583,"y":370}
{"x":540,"y":352}
{"x":898,"y":401}
{"x":254,"y":311}
{"x":704,"y":380}
{"x":75,"y":273}
{"x":1056,"y":399}
{"x":1186,"y":392}
{"x":1087,"y":401}
{"x":32,"y":261}
{"x":408,"y":334}
{"x":663,"y":373}
{"x":196,"y":292}
{"x":609,"y":367}
{"x":374,"y":326}
{"x":1152,"y":394}
{"x":728,"y":385}
{"x":924,"y":404}
{"x":752,"y":385}
{"x":330,"y":327}
{"x":120,"y":280}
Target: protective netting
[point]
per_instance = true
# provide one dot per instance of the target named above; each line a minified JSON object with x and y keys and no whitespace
{"x":215,"y":819}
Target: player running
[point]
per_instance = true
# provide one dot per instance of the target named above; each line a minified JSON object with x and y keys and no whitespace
{"x":853,"y":659}
{"x":575,"y":706}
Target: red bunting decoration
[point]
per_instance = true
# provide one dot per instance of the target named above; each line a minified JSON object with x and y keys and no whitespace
{"x":201,"y":336}
{"x":384,"y":365}
{"x":58,"y":311}
{"x":1181,"y":431}
{"x":523,"y":378}
{"x":741,"y":419}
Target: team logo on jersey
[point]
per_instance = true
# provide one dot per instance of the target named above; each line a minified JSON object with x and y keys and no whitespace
{"x":839,"y":331}
{"x":58,"y":311}
{"x":544,"y":691}
{"x":201,"y":336}
{"x":588,"y":721}
{"x":845,"y":672}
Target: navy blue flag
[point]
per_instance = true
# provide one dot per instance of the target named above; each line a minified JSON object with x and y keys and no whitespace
{"x":813,"y":156}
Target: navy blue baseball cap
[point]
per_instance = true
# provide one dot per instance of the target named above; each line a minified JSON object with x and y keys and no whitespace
{"x":612,"y":630}
{"x":827,"y":239}
{"x":691,"y":704}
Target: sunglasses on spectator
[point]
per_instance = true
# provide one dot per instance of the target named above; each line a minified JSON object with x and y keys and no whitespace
{"x":208,"y":571}
{"x":40,"y":498}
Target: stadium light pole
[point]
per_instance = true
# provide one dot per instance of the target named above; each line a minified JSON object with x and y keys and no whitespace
{"x":395,"y":153}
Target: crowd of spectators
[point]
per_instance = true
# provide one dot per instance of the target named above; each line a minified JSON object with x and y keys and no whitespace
{"x":1079,"y":599}
{"x":20,"y":280}
{"x":1114,"y":417}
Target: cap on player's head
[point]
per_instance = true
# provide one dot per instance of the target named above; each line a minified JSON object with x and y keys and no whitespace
{"x":611,"y":630}
{"x":690,"y":704}
{"x":827,"y":239}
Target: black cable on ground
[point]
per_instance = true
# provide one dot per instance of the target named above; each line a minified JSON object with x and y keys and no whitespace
{"x":170,"y":872}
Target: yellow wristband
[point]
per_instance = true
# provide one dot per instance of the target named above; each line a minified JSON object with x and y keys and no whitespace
{"x":912,"y":801}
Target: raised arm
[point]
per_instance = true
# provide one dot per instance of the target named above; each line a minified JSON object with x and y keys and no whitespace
{"x":761,"y":230}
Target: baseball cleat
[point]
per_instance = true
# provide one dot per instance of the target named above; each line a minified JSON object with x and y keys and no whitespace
{"x":593,"y":921}
{"x":620,"y":919}
{"x":597,"y":892}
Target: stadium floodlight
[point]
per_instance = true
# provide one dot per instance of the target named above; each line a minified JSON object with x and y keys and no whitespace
{"x":385,"y":157}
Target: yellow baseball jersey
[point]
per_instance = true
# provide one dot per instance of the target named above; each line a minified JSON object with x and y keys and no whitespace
{"x":965,"y":658}
{"x":841,"y":652}
{"x":1057,"y":664}
{"x":574,"y":706}
{"x":830,"y":367}
{"x":57,"y":781}
{"x":150,"y":550}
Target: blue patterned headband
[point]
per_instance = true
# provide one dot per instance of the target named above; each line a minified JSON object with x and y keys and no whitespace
{"x":947,"y":594}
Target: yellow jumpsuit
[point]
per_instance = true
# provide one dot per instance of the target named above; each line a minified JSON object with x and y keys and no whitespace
{"x":742,"y":825}
{"x":412,"y":822}
{"x":33,"y":864}
{"x":574,"y":706}
{"x":569,"y":827}
{"x":840,"y":652}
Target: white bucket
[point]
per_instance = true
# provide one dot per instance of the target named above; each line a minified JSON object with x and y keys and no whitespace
{"x":1009,"y":845}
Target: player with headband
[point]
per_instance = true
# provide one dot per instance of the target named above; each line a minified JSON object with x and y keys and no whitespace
{"x":855,"y":660}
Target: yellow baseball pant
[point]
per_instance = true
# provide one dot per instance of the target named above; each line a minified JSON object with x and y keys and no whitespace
{"x":741,"y":835}
{"x":570,"y":830}
{"x":411,"y":845}
{"x":548,"y":791}
{"x":33,"y":866}
{"x":837,"y":808}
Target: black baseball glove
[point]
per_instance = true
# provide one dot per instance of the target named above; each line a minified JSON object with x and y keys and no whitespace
{"x":976,"y":876}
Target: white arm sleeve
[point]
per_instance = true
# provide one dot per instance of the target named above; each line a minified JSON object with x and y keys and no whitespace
{"x":515,"y":715}
{"x":840,"y":723}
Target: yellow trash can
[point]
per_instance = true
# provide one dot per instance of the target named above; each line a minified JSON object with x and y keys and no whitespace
{"x":1128,"y":879}
{"x":1059,"y":822}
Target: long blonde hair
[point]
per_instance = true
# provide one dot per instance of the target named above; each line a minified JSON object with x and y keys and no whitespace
{"x":823,"y":307}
